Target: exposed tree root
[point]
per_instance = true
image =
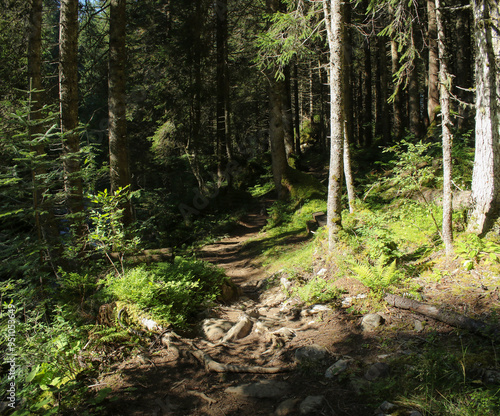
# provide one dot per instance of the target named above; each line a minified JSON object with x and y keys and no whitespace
{"x":216,"y":367}
{"x":448,"y":317}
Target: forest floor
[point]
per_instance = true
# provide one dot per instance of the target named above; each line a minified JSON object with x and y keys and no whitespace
{"x":297,"y":341}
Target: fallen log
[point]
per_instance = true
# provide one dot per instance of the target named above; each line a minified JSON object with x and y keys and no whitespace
{"x":448,"y":317}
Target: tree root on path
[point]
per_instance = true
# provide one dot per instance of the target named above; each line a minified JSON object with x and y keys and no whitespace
{"x":216,"y":367}
{"x":449,"y":317}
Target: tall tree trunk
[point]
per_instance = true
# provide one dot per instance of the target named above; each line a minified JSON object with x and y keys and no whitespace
{"x":433,"y":74}
{"x":194,"y":141}
{"x":277,"y":90}
{"x":348,"y":117}
{"x":383,"y":126}
{"x":367,"y":93}
{"x":223,"y":136}
{"x":464,"y":56}
{"x":277,"y":134}
{"x":486,"y":174}
{"x":334,"y":21}
{"x":414,"y":101}
{"x":445,"y":87}
{"x":35,"y":87}
{"x":68,"y":94}
{"x":397,"y":101}
{"x":118,"y":145}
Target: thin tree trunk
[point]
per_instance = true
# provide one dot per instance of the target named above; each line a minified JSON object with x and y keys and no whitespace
{"x":486,"y":173}
{"x":334,"y":21}
{"x":296,"y":105}
{"x":433,"y":74}
{"x":445,"y":87}
{"x":118,"y":145}
{"x":68,"y":94}
{"x":287,"y":114}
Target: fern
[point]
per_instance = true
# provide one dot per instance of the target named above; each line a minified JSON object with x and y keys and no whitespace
{"x":378,"y":277}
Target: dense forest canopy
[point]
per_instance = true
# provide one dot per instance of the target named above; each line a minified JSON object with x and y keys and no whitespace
{"x":133,"y":125}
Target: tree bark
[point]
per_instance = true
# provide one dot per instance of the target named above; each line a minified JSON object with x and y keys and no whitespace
{"x":334,"y":20}
{"x":414,"y":101}
{"x":445,"y":87}
{"x":277,"y":134}
{"x":296,"y":105}
{"x":348,"y":116}
{"x":118,"y":144}
{"x":222,"y":84}
{"x":486,"y":173}
{"x":287,"y":114}
{"x":433,"y":74}
{"x":382,"y":123}
{"x":463,"y":69}
{"x":397,"y":102}
{"x":35,"y":87}
{"x":367,"y":92}
{"x":68,"y":95}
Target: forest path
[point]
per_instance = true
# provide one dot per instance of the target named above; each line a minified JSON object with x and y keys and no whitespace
{"x":230,"y":253}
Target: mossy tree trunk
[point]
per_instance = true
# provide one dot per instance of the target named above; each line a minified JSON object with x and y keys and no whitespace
{"x":333,"y":20}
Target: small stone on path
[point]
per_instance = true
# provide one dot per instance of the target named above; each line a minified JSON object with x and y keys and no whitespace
{"x":286,"y":408}
{"x":311,"y":405}
{"x":310,"y":353}
{"x":371,"y":321}
{"x":376,"y":371}
{"x":339,"y":367}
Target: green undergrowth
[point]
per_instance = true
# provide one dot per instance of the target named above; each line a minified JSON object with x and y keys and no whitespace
{"x":443,"y":375}
{"x":170,"y":294}
{"x":57,"y":345}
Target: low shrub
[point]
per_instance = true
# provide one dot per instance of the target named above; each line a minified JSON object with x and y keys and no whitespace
{"x":168,"y":293}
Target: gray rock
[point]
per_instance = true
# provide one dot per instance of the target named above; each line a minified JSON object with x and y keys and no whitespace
{"x":371,"y":321}
{"x":311,"y":404}
{"x":360,"y":385}
{"x":415,"y":413}
{"x":263,"y":389}
{"x":215,"y":329}
{"x":310,"y":353}
{"x":386,"y":407}
{"x":491,"y":376}
{"x":418,"y":326}
{"x":339,"y":367}
{"x":286,"y":408}
{"x":376,"y":371}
